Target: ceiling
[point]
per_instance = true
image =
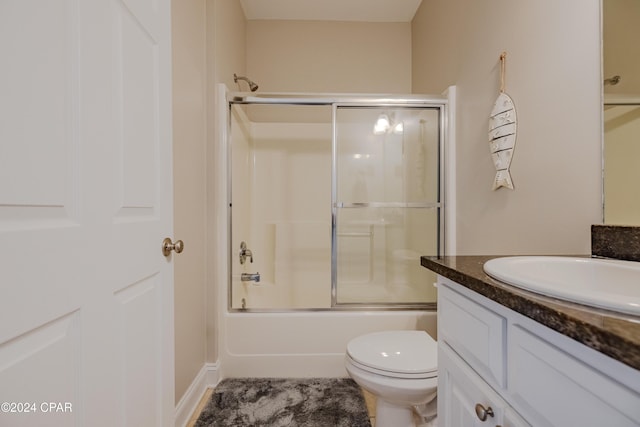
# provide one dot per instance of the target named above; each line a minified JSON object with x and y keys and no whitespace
{"x":332,"y":10}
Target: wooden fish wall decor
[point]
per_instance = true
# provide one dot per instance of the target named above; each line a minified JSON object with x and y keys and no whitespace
{"x":502,"y":135}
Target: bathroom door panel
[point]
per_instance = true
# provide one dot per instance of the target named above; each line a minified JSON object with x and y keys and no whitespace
{"x":86,"y":296}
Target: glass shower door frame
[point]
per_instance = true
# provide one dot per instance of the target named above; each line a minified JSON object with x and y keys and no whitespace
{"x":337,"y":102}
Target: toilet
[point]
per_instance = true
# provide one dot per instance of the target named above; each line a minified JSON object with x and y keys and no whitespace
{"x":400,"y":368}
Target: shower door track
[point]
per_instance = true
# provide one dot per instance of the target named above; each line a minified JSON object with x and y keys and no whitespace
{"x":346,"y":100}
{"x":337,"y":101}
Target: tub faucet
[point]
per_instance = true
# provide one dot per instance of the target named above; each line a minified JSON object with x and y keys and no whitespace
{"x":244,"y":253}
{"x":250,"y":277}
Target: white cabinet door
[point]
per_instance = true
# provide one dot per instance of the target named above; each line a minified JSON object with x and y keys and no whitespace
{"x":86,"y":302}
{"x":512,"y":419}
{"x":552,"y":388}
{"x":475,"y":333}
{"x":460,"y":390}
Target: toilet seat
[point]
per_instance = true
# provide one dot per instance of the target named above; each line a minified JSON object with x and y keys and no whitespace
{"x":392,"y":374}
{"x":398,"y":354}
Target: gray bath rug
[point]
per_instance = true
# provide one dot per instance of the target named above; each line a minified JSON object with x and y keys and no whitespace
{"x":275,"y":402}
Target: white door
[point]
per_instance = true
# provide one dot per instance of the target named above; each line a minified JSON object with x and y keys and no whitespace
{"x":86,"y":296}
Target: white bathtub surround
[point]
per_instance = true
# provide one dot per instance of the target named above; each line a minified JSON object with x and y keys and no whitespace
{"x":303,"y":344}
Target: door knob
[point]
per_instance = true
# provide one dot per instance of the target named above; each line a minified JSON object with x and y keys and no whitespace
{"x":168,"y":246}
{"x":483,"y":412}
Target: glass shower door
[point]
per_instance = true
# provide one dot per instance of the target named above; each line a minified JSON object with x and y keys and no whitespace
{"x":331,"y":203}
{"x":280,"y":206}
{"x":386,"y":204}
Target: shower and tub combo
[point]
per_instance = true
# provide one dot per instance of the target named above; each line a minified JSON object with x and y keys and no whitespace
{"x":330,"y":202}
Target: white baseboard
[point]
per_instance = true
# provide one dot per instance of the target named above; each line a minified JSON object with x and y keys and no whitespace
{"x":208,"y":377}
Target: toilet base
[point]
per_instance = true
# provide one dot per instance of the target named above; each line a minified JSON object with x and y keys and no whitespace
{"x":390,"y":415}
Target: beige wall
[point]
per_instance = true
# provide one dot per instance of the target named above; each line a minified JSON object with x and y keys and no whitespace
{"x":621,"y":51}
{"x":208,"y":47}
{"x":553,"y":75}
{"x":189,"y":141}
{"x":227,"y":42}
{"x":310,"y":56}
{"x":436,"y":33}
{"x":621,"y":154}
{"x":621,"y":54}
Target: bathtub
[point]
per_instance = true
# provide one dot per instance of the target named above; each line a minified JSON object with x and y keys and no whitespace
{"x":303,"y":344}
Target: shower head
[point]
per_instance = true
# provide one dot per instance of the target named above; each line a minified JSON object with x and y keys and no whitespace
{"x":252,"y":85}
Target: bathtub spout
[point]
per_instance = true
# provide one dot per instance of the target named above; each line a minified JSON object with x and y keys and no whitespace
{"x":250,"y":277}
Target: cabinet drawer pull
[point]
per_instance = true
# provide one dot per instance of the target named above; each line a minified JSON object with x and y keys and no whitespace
{"x":482,"y":412}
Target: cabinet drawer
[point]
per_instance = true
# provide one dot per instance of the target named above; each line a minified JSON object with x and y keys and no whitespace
{"x":460,"y":390}
{"x":550,"y":387}
{"x":474,"y":332}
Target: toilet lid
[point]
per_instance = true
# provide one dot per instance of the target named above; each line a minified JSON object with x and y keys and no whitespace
{"x":410,"y":352}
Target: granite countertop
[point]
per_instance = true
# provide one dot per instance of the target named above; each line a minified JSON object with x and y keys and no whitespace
{"x":614,"y":334}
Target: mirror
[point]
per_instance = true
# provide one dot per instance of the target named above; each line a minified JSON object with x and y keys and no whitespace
{"x":621,"y":68}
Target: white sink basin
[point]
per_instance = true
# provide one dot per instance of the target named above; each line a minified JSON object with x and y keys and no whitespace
{"x":610,"y":284}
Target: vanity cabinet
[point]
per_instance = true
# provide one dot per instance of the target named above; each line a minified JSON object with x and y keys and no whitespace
{"x":464,"y":399}
{"x":499,"y":368}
